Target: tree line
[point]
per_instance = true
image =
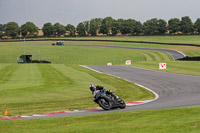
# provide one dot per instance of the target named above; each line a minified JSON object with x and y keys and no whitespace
{"x":106,"y":26}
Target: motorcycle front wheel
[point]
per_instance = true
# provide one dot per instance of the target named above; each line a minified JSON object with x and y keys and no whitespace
{"x":105,"y":104}
{"x":122,"y":104}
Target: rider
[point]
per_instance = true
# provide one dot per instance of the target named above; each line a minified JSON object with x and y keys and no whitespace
{"x":102,"y":89}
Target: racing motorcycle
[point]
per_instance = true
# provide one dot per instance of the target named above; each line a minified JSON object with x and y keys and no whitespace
{"x":108,"y":101}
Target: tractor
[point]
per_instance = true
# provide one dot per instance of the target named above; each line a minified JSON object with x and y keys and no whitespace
{"x":59,"y":43}
{"x":28,"y":59}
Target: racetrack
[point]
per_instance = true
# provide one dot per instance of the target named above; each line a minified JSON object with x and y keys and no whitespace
{"x":175,"y":54}
{"x":174,"y":90}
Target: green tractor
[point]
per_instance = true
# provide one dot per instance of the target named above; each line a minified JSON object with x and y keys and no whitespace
{"x":59,"y":43}
{"x":28,"y":59}
{"x":25,"y":59}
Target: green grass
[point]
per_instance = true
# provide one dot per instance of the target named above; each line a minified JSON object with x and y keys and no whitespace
{"x":177,"y":120}
{"x":184,"y":39}
{"x":192,"y":53}
{"x":80,"y":54}
{"x":37,"y":88}
{"x":188,"y":50}
{"x":27,"y":89}
{"x":182,"y":67}
{"x":194,"y":39}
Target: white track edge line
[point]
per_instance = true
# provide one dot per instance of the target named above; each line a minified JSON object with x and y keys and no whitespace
{"x":26,"y":116}
{"x":90,"y":69}
{"x":146,"y":101}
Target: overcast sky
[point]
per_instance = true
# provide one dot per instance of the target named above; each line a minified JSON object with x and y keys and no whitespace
{"x":75,"y":11}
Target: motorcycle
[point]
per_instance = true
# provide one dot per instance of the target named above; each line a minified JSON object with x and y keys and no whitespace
{"x":108,"y":101}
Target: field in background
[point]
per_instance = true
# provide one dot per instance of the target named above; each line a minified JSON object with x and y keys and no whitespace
{"x":188,"y":50}
{"x":80,"y":54}
{"x":163,"y":39}
{"x":188,"y":39}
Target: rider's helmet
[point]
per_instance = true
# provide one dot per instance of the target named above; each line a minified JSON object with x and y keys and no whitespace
{"x":92,"y":87}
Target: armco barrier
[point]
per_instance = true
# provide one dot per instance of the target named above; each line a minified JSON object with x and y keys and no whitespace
{"x":187,"y":58}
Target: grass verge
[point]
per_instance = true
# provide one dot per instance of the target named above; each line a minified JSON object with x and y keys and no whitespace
{"x":184,"y":120}
{"x":79,"y":54}
{"x":27,"y":89}
{"x":181,"y":67}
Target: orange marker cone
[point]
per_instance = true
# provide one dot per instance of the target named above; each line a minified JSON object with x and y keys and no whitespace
{"x":6,"y":112}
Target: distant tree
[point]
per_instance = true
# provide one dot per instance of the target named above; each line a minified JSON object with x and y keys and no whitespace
{"x":138,"y":28}
{"x":162,"y":26}
{"x":131,"y":23}
{"x":120,"y":21}
{"x":123,"y":26}
{"x":47,"y":29}
{"x":2,"y":27}
{"x":2,"y":30}
{"x":197,"y":25}
{"x":174,"y":25}
{"x":1,"y":34}
{"x":95,"y":26}
{"x":115,"y":27}
{"x":106,"y":25}
{"x":81,"y":29}
{"x":103,"y":28}
{"x":187,"y":25}
{"x":28,"y":29}
{"x":24,"y":30}
{"x":12,"y":29}
{"x":59,"y":29}
{"x":151,"y":26}
{"x":71,"y":29}
{"x":127,"y":26}
{"x":87,"y":27}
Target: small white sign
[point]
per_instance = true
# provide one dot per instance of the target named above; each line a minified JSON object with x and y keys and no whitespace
{"x":109,"y":64}
{"x":162,"y":65}
{"x":128,"y":62}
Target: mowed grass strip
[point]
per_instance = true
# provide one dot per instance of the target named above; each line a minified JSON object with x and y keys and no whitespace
{"x":188,"y":50}
{"x":184,"y":120}
{"x":42,"y":88}
{"x":6,"y":72}
{"x":192,"y":53}
{"x":78,"y":54}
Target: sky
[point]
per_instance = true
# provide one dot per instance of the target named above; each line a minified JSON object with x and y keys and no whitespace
{"x":76,"y":11}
